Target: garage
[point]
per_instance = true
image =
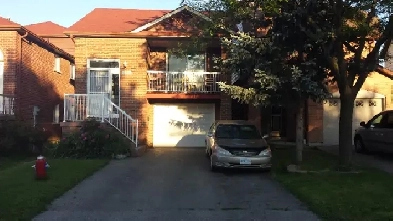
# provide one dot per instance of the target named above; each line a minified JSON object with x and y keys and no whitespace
{"x":367,"y":104}
{"x":182,"y":125}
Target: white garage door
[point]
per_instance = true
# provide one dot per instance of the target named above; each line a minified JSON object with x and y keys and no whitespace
{"x":182,"y":125}
{"x":364,"y":110}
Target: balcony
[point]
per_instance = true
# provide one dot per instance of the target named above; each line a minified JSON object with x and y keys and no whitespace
{"x":7,"y":105}
{"x":183,"y":82}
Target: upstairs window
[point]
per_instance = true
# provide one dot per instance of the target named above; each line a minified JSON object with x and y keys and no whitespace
{"x":57,"y":64}
{"x":72,"y":71}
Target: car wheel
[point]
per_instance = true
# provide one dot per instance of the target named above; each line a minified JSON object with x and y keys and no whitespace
{"x":359,"y":145}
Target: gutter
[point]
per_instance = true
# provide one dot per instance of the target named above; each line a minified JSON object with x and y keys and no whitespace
{"x":38,"y":40}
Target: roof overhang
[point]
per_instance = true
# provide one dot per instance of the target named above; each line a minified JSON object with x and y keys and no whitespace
{"x":168,"y":15}
{"x":38,"y":40}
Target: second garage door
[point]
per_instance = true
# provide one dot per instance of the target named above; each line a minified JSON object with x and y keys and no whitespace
{"x":367,"y":104}
{"x":182,"y":125}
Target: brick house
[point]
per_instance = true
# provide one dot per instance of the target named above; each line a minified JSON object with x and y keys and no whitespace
{"x":34,"y":75}
{"x":54,"y":34}
{"x":124,"y":64}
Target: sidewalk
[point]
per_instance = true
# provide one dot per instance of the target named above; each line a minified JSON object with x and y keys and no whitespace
{"x":380,"y":161}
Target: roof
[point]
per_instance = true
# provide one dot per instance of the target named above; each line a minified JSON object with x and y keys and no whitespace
{"x":105,"y":20}
{"x":46,"y":28}
{"x":7,"y":22}
{"x":8,"y":25}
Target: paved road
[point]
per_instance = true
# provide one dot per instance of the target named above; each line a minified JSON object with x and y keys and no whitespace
{"x":175,"y":184}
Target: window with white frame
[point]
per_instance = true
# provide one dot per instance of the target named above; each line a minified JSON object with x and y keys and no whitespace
{"x":180,"y":63}
{"x":57,"y":64}
{"x":56,"y":114}
{"x":72,"y":71}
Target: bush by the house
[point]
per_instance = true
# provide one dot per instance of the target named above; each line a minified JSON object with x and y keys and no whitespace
{"x":20,"y":138}
{"x":92,"y":141}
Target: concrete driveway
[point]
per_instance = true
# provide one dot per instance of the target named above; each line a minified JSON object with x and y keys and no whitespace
{"x":175,"y":184}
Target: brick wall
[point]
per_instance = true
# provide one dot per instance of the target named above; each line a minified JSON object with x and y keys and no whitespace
{"x":10,"y":48}
{"x":29,"y":75}
{"x":132,"y":86}
{"x":133,"y":89}
{"x":41,"y":86}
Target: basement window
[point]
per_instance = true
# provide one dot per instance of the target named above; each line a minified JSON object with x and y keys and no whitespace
{"x":57,"y":64}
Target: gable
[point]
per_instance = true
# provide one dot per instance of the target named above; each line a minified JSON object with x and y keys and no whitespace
{"x":180,"y":23}
{"x":178,"y":20}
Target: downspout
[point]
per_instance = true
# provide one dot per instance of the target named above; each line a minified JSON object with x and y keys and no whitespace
{"x":19,"y":72}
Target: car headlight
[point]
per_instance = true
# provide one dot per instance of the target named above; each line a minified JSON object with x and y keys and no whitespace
{"x":266,"y":153}
{"x":220,"y":151}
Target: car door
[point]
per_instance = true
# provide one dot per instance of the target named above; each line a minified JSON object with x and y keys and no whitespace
{"x":372,"y":134}
{"x":386,"y":133}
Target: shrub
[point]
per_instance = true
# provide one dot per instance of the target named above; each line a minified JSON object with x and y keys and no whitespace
{"x":19,"y":138}
{"x":92,"y":141}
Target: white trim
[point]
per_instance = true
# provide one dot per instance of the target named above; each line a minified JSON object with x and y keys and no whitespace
{"x":168,"y":15}
{"x":361,"y":94}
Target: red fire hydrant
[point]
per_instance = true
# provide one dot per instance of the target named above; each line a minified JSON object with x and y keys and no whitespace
{"x":40,"y":167}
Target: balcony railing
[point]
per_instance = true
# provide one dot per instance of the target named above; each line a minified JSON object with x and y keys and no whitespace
{"x":183,"y":82}
{"x":7,"y":104}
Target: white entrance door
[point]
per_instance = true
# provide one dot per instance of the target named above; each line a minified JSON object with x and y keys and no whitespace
{"x":99,"y":87}
{"x":364,"y":110}
{"x":182,"y":125}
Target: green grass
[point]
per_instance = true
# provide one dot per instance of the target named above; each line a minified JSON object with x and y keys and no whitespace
{"x":22,"y":197}
{"x":367,"y":195}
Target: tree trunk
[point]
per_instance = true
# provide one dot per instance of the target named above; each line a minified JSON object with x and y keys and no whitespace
{"x":345,"y":131}
{"x":299,"y":133}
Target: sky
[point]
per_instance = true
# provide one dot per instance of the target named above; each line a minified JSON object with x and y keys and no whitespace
{"x":67,"y":12}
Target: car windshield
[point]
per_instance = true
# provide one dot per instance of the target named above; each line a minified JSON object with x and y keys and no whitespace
{"x":233,"y":131}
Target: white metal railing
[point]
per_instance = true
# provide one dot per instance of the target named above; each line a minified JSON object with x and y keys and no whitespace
{"x":79,"y":107}
{"x":187,"y":82}
{"x":7,"y":104}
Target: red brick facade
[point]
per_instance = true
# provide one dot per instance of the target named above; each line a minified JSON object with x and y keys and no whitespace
{"x":133,"y":79}
{"x":29,"y":75}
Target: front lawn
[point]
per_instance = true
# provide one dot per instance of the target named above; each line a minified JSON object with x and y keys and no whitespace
{"x":367,"y":195}
{"x":22,"y":197}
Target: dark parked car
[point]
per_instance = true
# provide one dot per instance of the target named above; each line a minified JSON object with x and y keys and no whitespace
{"x":376,"y":134}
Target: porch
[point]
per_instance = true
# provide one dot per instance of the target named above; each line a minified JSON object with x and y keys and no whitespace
{"x":7,"y":105}
{"x":99,"y":106}
{"x":182,"y":82}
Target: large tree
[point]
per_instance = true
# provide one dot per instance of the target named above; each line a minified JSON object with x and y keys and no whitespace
{"x":343,"y":39}
{"x":275,"y":69}
{"x":352,"y":37}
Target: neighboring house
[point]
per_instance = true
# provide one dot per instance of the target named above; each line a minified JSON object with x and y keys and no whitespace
{"x":127,"y":75}
{"x":34,"y":76}
{"x":321,"y":120}
{"x":54,"y":34}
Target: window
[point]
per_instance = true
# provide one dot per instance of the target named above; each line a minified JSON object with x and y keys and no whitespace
{"x":376,"y":121}
{"x":381,"y":60}
{"x":178,"y":63}
{"x":56,"y":114}
{"x":233,"y":131}
{"x":72,"y":71}
{"x":57,"y":64}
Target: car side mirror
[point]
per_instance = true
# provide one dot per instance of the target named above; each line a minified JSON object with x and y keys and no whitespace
{"x":265,"y":136}
{"x":363,"y":124}
{"x":210,"y":134}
